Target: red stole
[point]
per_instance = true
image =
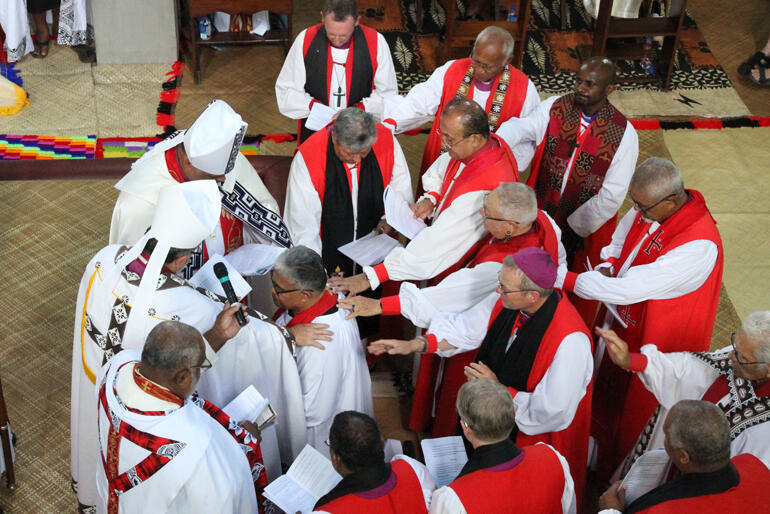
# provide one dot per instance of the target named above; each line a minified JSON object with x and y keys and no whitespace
{"x":535,"y":484}
{"x":400,"y":494}
{"x":319,"y":308}
{"x":232,"y":227}
{"x":514,"y":100}
{"x":679,"y":324}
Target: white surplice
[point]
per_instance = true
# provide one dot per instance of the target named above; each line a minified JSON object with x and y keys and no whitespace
{"x":677,"y":376}
{"x":333,"y":380}
{"x":15,"y":23}
{"x":75,"y":26}
{"x":552,"y":405}
{"x":446,"y":501}
{"x":294,"y":101}
{"x":209,"y":474}
{"x":420,"y":105}
{"x":524,"y":134}
{"x":454,"y":231}
{"x":257,"y":355}
{"x":461,"y":290}
{"x":302,"y":210}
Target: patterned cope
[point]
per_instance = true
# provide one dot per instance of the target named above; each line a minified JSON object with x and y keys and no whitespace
{"x":591,"y":164}
{"x":744,"y":409}
{"x":248,"y":209}
{"x":497,"y":100}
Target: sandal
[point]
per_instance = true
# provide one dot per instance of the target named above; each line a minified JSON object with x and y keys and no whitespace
{"x":758,"y":59}
{"x":41,"y":49}
{"x":764,"y":77}
{"x":86,"y":53}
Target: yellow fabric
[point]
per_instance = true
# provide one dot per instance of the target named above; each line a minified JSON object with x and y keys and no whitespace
{"x":12,"y":97}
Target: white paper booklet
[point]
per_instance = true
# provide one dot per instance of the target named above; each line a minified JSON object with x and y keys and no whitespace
{"x":370,"y":249}
{"x":206,"y":278}
{"x":444,"y":458}
{"x":647,"y":473}
{"x":254,"y":258}
{"x":320,"y":116}
{"x":399,"y":215}
{"x":309,"y":478}
{"x":250,"y":406}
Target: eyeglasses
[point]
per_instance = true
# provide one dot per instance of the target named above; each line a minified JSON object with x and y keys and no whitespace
{"x":738,"y":355}
{"x":503,"y":290}
{"x":481,"y":66}
{"x":206,"y":364}
{"x":451,"y":144}
{"x":487,"y":217}
{"x":645,"y":210}
{"x":279,"y":290}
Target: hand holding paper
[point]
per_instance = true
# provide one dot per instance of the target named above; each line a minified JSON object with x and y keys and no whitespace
{"x":370,"y":249}
{"x":320,"y":116}
{"x":400,"y":216}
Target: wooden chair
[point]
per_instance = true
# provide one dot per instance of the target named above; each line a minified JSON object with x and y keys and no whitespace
{"x":5,"y":439}
{"x":608,"y":29}
{"x":462,"y":34}
{"x":192,"y":9}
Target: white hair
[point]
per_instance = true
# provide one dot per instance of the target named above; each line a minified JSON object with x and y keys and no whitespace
{"x":757,"y":327}
{"x":517,"y":202}
{"x":658,"y":177}
{"x":502,"y":35}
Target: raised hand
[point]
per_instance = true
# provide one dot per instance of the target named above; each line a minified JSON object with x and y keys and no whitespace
{"x":360,"y":306}
{"x":616,"y":347}
{"x":310,"y":334}
{"x":226,"y":326}
{"x":350,"y":285}
{"x":395,"y":346}
{"x":479,"y":370}
{"x":613,"y":498}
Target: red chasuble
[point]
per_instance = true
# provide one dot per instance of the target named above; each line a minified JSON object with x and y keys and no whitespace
{"x":531,"y":482}
{"x":401,"y":493}
{"x":488,"y":249}
{"x":685,"y":323}
{"x":454,"y":80}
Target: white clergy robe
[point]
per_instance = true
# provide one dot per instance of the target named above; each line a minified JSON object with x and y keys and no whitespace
{"x":420,"y":105}
{"x":333,"y":380}
{"x":302,"y":210}
{"x":15,"y":23}
{"x":294,"y":101}
{"x":257,"y":355}
{"x":552,"y":405}
{"x":677,"y":376}
{"x":523,"y":135}
{"x":455,"y":229}
{"x":209,"y":474}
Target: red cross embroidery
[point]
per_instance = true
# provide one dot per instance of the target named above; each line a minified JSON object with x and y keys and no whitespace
{"x":624,"y":313}
{"x":654,"y":242}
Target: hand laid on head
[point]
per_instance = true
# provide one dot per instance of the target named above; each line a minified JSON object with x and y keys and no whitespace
{"x":479,"y":370}
{"x":225,"y":326}
{"x":252,"y":428}
{"x":613,"y":498}
{"x":395,"y":346}
{"x":350,"y":285}
{"x":616,"y":347}
{"x":311,"y":334}
{"x":360,"y":306}
{"x":384,"y":228}
{"x":423,"y":208}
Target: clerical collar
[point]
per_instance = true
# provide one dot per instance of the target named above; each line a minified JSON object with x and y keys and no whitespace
{"x":343,"y":47}
{"x":489,"y":145}
{"x":588,"y":119}
{"x":365,"y":483}
{"x":155,"y":389}
{"x":484,"y":86}
{"x":494,"y":456}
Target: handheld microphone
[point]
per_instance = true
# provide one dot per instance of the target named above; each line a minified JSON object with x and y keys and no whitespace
{"x":220,"y":270}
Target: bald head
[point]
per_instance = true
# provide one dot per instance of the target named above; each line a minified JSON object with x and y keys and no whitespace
{"x":604,"y":67}
{"x":498,"y":38}
{"x":171,"y":346}
{"x":700,"y":429}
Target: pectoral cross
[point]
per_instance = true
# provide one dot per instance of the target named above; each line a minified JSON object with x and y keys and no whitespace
{"x":572,"y":145}
{"x":339,"y":94}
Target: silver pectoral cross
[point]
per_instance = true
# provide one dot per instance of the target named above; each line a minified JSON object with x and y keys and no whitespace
{"x":339,"y":94}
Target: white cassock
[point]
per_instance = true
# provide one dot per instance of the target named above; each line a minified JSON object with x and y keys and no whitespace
{"x":15,"y":23}
{"x":677,"y":376}
{"x":454,"y":231}
{"x":209,"y":474}
{"x":420,"y":105}
{"x":258,"y":355}
{"x":459,"y":291}
{"x":302,"y":210}
{"x":524,"y":134}
{"x":676,"y":273}
{"x":294,"y":101}
{"x":333,"y":380}
{"x":446,"y":501}
{"x":75,"y":23}
{"x":552,"y":405}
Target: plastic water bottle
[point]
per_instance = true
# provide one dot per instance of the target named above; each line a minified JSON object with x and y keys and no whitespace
{"x":646,"y":63}
{"x":204,"y":26}
{"x":512,"y":13}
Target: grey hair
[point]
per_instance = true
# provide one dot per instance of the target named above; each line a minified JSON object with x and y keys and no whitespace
{"x":355,"y":129}
{"x":701,"y":429}
{"x":171,"y":346}
{"x":341,"y":9}
{"x":526,"y":282}
{"x":517,"y":202}
{"x":757,"y":327}
{"x":487,"y":408}
{"x":472,"y":117}
{"x":304,"y":267}
{"x":658,"y":177}
{"x":502,"y":36}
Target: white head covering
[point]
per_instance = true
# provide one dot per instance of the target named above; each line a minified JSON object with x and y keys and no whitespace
{"x":185,"y":215}
{"x":213,"y":141}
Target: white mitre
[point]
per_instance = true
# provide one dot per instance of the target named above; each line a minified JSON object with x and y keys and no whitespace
{"x":213,"y":141}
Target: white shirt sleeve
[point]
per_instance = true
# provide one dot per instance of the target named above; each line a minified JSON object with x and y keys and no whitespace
{"x":552,"y":405}
{"x":675,"y":376}
{"x":605,"y":204}
{"x":531,"y":101}
{"x":464,"y":330}
{"x":419,"y":106}
{"x":433,"y":177}
{"x":427,"y":483}
{"x":293,"y":100}
{"x":568,"y":500}
{"x":385,"y":83}
{"x":400,"y":180}
{"x":676,"y":273}
{"x":302,"y":211}
{"x":446,"y":501}
{"x":619,"y":236}
{"x":524,"y":134}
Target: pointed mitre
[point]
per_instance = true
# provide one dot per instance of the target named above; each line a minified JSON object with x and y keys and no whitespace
{"x":213,"y":141}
